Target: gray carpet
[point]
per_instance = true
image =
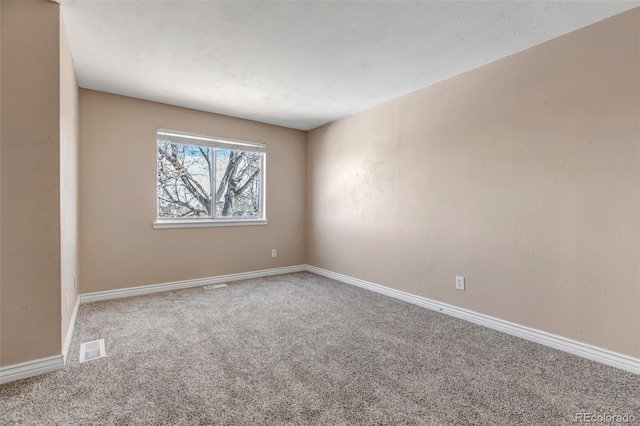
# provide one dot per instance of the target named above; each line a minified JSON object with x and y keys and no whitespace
{"x":303,"y":349}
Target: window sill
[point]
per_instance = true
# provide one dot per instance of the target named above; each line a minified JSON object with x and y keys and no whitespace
{"x":204,"y":223}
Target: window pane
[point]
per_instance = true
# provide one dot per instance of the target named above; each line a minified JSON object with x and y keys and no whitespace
{"x":184,"y":180}
{"x":238,"y":183}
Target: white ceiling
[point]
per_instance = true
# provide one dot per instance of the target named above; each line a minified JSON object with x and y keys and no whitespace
{"x":301,"y":64}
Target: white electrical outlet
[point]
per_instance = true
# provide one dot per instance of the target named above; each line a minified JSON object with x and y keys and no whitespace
{"x":460,"y":283}
{"x":274,"y":253}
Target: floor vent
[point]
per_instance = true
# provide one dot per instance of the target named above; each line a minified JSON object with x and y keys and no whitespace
{"x":213,"y":287}
{"x":92,"y":350}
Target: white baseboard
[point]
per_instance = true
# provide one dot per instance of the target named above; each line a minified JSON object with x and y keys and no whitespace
{"x":72,"y":324}
{"x":177,"y":285}
{"x":558,"y":342}
{"x":36,"y":367}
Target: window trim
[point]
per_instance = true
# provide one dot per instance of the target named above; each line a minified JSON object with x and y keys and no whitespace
{"x":206,"y":223}
{"x":195,"y":139}
{"x":188,"y":138}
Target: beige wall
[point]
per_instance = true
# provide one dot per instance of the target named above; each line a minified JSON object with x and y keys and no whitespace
{"x":69,"y":129}
{"x":1,"y":31}
{"x":30,"y":216}
{"x":120,"y":249}
{"x":522,"y":176}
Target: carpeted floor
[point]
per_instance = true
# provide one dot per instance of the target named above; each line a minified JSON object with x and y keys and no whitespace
{"x":303,"y":349}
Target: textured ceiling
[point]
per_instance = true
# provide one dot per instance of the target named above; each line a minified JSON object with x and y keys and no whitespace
{"x":301,"y":64}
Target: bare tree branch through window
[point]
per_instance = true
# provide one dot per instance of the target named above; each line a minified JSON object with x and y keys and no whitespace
{"x":204,"y":182}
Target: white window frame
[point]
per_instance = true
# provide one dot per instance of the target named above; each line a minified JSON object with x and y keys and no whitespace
{"x":187,"y":138}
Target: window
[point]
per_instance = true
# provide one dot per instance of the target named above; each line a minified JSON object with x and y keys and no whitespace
{"x":206,"y":181}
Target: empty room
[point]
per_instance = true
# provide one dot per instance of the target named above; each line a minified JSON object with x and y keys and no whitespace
{"x":319,"y":212}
